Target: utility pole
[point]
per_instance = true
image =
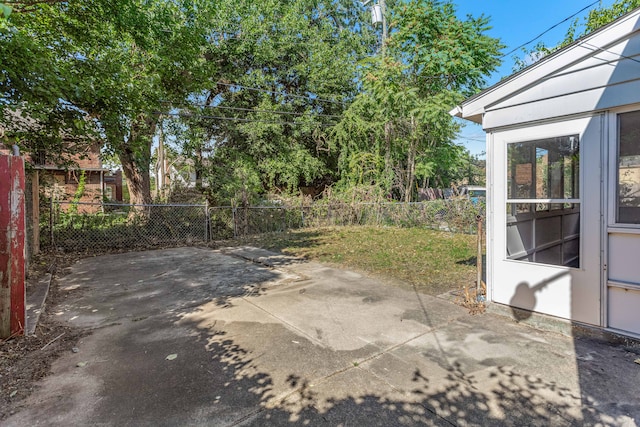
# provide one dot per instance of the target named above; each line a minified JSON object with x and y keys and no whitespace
{"x":161,"y":163}
{"x":383,"y":8}
{"x":387,"y":125}
{"x":379,"y":16}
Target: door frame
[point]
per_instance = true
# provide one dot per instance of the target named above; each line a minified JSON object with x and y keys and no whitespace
{"x":610,"y":226}
{"x":497,"y":142}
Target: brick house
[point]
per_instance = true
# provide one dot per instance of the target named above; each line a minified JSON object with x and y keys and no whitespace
{"x":61,"y":179}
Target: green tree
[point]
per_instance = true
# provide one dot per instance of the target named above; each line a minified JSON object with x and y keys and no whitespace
{"x":114,"y":64}
{"x":286,"y":73}
{"x":432,"y":60}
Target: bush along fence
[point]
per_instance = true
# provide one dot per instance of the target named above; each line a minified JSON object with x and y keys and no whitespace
{"x":76,"y":226}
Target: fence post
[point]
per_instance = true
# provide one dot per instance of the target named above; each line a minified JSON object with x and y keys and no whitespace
{"x":284,"y":219}
{"x":479,"y":295}
{"x":206,"y":221}
{"x":35,"y":212}
{"x":235,"y":222}
{"x":51,"y":221}
{"x":12,"y":247}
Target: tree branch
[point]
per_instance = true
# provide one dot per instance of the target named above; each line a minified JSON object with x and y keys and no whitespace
{"x":24,"y":6}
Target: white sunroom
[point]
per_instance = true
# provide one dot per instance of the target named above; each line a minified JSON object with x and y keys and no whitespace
{"x":563,"y":181}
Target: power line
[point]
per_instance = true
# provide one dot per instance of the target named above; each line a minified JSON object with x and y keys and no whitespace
{"x":251,"y":110}
{"x":472,"y":139}
{"x":550,"y":28}
{"x":594,"y":47}
{"x":238,"y":119}
{"x":280,"y":93}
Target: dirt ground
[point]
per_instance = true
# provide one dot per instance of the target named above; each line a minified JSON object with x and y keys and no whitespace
{"x":26,"y":359}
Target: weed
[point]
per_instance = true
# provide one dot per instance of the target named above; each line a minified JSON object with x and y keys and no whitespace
{"x":435,"y":262}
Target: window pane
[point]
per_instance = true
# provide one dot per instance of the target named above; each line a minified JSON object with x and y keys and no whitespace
{"x":544,"y":169}
{"x":545,"y":233}
{"x":629,"y":168}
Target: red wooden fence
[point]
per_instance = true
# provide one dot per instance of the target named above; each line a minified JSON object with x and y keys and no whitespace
{"x":12,"y":247}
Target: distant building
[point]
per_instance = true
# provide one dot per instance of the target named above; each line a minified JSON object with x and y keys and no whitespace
{"x":61,"y":180}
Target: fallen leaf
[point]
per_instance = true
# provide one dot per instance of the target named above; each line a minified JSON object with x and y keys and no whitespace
{"x":81,"y":364}
{"x":13,"y":393}
{"x":171,"y":356}
{"x":637,"y":361}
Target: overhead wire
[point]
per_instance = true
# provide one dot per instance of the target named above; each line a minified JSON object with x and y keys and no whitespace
{"x":252,"y":110}
{"x":238,"y":119}
{"x":321,"y":99}
{"x":313,"y":98}
{"x":550,"y":28}
{"x":601,"y":49}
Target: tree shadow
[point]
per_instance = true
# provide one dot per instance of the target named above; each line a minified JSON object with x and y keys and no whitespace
{"x":499,"y":395}
{"x":237,"y":365}
{"x":523,"y":302}
{"x":478,"y":392}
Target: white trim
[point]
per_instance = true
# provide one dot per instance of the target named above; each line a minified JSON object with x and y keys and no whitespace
{"x":623,"y":285}
{"x":614,"y":149}
{"x":618,"y":229}
{"x":565,"y":279}
{"x":545,"y":121}
{"x":489,"y":242}
{"x":604,"y":209}
{"x":555,"y":201}
{"x":612,"y":152}
{"x":550,"y":65}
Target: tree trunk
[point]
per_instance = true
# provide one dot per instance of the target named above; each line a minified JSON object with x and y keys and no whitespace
{"x":137,"y":179}
{"x":388,"y":167}
{"x":411,"y":163}
{"x":198,"y":169}
{"x":135,"y":157}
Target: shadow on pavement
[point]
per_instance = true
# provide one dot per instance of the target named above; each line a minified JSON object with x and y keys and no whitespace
{"x":195,"y":343}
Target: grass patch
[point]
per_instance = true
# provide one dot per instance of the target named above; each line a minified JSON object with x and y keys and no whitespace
{"x":434,"y":262}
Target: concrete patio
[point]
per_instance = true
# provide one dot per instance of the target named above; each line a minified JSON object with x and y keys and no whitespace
{"x":194,"y":336}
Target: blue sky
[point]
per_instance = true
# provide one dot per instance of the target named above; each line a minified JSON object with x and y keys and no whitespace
{"x":516,"y":22}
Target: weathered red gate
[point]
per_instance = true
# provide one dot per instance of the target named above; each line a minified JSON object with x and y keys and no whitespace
{"x":12,"y":247}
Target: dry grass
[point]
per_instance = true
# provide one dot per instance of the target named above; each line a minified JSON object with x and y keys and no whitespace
{"x":434,"y":262}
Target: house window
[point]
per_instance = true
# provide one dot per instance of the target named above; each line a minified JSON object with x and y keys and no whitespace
{"x":628,"y":185}
{"x":543,"y":201}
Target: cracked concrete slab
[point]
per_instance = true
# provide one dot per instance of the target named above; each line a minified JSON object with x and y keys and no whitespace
{"x":199,"y":337}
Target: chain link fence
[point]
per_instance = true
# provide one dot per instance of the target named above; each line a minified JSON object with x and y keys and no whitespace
{"x":102,"y":226}
{"x":72,"y":226}
{"x":455,"y":215}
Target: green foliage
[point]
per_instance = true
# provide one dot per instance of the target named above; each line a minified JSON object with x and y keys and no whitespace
{"x":5,"y":11}
{"x":73,"y":208}
{"x":257,"y":96}
{"x":432,"y":61}
{"x":434,"y":262}
{"x":286,"y":71}
{"x":122,"y":227}
{"x":596,"y":19}
{"x":235,"y":182}
{"x":111,"y":64}
{"x":602,"y":16}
